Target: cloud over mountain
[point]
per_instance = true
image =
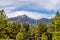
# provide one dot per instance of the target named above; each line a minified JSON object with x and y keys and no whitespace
{"x":33,"y":15}
{"x":44,"y":7}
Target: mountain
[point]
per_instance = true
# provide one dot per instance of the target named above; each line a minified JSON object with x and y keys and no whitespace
{"x":45,"y":20}
{"x":22,"y":19}
{"x":25,"y":18}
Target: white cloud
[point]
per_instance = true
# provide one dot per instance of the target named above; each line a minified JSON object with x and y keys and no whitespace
{"x":44,"y":4}
{"x":9,"y":5}
{"x":5,"y":3}
{"x":33,"y":15}
{"x":48,"y":4}
{"x":8,"y":9}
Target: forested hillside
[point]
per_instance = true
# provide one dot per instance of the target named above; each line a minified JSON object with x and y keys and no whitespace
{"x":17,"y":31}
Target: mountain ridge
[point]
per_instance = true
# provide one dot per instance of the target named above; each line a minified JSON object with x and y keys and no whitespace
{"x":25,"y":18}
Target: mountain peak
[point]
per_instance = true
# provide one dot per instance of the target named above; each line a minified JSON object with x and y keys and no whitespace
{"x":22,"y":16}
{"x":25,"y":18}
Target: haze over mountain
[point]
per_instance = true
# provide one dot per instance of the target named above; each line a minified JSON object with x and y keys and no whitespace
{"x":25,"y":18}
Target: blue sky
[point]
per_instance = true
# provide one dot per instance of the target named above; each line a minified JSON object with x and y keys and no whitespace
{"x":35,"y":9}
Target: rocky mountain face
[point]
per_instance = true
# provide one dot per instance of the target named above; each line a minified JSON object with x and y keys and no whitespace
{"x":25,"y":18}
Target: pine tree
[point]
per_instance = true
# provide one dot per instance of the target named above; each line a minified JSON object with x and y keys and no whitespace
{"x":3,"y":23}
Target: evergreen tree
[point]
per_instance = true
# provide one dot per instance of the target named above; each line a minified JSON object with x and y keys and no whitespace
{"x":3,"y":23}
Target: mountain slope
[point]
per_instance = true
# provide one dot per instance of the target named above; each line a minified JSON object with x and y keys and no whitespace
{"x":25,"y":18}
{"x":22,"y":19}
{"x":45,"y":20}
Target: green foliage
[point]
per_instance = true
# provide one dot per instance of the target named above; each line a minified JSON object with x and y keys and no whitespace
{"x":21,"y":36}
{"x":44,"y":36}
{"x":42,"y":27}
{"x":51,"y":28}
{"x":31,"y":33}
{"x":26,"y":26}
{"x":56,"y":38}
{"x":16,"y":31}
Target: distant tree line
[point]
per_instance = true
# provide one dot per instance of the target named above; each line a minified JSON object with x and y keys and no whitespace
{"x":17,"y":31}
